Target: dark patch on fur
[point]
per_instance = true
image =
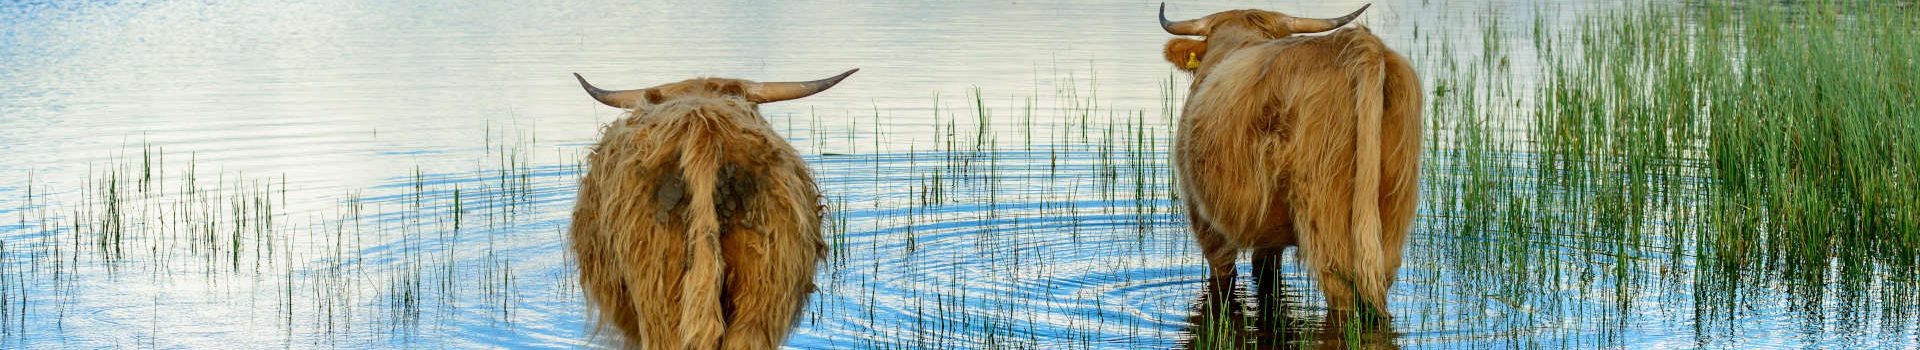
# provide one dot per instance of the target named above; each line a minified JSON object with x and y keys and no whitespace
{"x":729,"y":88}
{"x":732,"y":197}
{"x":654,"y":97}
{"x":1274,"y":121}
{"x":734,"y":194}
{"x":669,"y":193}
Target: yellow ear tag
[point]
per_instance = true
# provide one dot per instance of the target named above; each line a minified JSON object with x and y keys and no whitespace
{"x":1193,"y":61}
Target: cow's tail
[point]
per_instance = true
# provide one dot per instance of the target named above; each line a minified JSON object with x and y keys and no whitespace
{"x":1367,"y":67}
{"x":701,"y":320}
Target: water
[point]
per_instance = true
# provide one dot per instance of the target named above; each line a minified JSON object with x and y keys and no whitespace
{"x":370,"y":174}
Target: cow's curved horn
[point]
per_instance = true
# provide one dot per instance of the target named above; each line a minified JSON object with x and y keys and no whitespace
{"x":1316,"y":25}
{"x":1188,"y":27}
{"x":776,"y":92}
{"x":616,"y":99}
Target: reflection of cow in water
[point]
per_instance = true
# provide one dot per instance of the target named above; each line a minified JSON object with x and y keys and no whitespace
{"x":1289,"y":140}
{"x":1222,"y":319}
{"x":697,"y":226}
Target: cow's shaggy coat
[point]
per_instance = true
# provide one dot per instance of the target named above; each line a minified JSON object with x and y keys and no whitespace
{"x":1308,"y":141}
{"x":697,"y":226}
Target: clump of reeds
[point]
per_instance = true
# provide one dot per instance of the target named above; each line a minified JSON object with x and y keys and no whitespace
{"x":1709,"y":147}
{"x":1800,"y":121}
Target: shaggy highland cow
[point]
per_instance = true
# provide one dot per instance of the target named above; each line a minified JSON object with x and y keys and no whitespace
{"x":1308,"y":141}
{"x":697,"y":226}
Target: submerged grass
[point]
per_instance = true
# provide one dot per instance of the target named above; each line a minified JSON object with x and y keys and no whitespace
{"x":136,"y":221}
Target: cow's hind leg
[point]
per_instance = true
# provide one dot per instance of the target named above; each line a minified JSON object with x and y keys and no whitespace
{"x":1267,"y":276}
{"x":1338,"y":289}
{"x":770,"y":274}
{"x":1327,"y":252}
{"x":616,"y":311}
{"x":1219,"y":252}
{"x":605,"y":287}
{"x":657,"y":311}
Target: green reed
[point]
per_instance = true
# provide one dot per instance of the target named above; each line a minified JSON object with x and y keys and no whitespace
{"x":1799,"y":125}
{"x":1712,"y":148}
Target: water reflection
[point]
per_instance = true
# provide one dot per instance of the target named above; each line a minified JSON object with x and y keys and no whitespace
{"x":1275,"y":316}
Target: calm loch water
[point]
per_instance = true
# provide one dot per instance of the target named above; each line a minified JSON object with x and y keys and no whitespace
{"x":400,"y":174}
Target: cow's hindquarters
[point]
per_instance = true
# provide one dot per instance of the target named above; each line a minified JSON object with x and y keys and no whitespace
{"x":772,"y":252}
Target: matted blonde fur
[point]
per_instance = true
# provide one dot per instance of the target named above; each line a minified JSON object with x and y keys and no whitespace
{"x":1311,"y":141}
{"x":697,"y":226}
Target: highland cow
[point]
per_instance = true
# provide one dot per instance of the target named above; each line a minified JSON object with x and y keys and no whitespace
{"x":697,"y":226}
{"x":1307,"y":141}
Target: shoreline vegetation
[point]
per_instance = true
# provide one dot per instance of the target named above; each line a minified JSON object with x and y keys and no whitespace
{"x":1727,"y":152}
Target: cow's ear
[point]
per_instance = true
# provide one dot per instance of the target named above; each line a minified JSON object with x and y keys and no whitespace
{"x":1185,"y":53}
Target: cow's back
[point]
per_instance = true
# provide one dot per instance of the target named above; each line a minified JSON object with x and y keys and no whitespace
{"x":1284,"y":107}
{"x":1240,"y":127}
